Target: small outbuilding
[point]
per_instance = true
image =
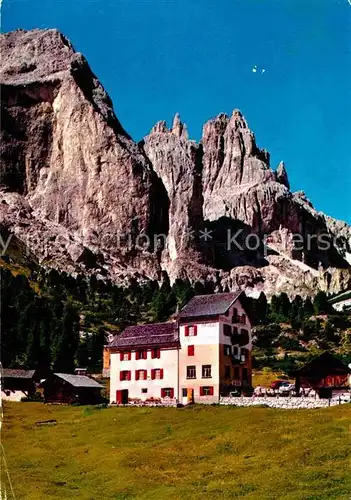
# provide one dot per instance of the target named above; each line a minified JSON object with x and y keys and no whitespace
{"x":69,"y":388}
{"x":324,"y":374}
{"x":17,"y":384}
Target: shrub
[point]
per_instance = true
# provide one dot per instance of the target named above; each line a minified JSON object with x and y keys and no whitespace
{"x":36,"y":397}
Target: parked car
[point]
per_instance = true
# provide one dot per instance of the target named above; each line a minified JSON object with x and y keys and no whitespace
{"x":277,"y":383}
{"x":286,"y":387}
{"x":235,"y":393}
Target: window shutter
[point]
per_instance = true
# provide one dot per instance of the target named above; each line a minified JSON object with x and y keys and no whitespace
{"x":211,"y":391}
{"x":158,"y":353}
{"x":145,"y":374}
{"x":201,"y":391}
{"x":136,"y":374}
{"x":195,"y":329}
{"x":121,"y":356}
{"x":129,"y":375}
{"x":137,"y":355}
{"x":129,"y":355}
{"x":172,"y":393}
{"x":162,"y":393}
{"x":152,"y":374}
{"x":161,"y":373}
{"x":187,"y":330}
{"x":191,"y":350}
{"x":153,"y":354}
{"x":120,"y":375}
{"x":144,"y":354}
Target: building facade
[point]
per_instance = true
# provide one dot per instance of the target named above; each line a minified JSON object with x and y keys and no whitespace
{"x":69,"y":388}
{"x":203,"y":355}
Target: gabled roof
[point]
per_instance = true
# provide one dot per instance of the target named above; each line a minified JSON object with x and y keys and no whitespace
{"x":323,"y":365}
{"x":341,"y":297}
{"x":152,"y":335}
{"x":78,"y":380}
{"x":209,"y":305}
{"x":13,"y":373}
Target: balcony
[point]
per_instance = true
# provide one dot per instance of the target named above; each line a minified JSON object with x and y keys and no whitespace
{"x":240,"y":339}
{"x":239,"y":319}
{"x":238,"y":359}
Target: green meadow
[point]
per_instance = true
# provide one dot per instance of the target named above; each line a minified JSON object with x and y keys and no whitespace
{"x":185,"y":453}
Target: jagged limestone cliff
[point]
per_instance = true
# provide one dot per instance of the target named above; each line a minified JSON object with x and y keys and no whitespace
{"x":84,"y":197}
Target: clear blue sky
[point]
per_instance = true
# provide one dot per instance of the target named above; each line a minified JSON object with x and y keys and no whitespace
{"x":156,"y":57}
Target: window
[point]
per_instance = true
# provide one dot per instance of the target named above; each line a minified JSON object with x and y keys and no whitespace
{"x":235,"y":350}
{"x":227,"y":371}
{"x":227,"y":350}
{"x":206,"y":391}
{"x":227,"y":330}
{"x":155,"y":353}
{"x":185,"y":392}
{"x":125,"y":356}
{"x":143,"y":391}
{"x":140,"y":354}
{"x":191,"y":372}
{"x":140,"y":374}
{"x":235,"y":336}
{"x":191,"y":350}
{"x":243,"y":319}
{"x":167,"y":392}
{"x":236,"y":373}
{"x":125,"y":375}
{"x":243,"y":353}
{"x":157,"y":374}
{"x":190,"y":330}
{"x":206,"y":371}
{"x":235,"y":318}
{"x":244,"y":337}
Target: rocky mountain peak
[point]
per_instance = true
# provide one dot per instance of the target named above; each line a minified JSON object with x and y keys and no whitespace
{"x":40,"y":54}
{"x":282,"y":175}
{"x":238,"y":119}
{"x":159,"y":128}
{"x":62,"y":146}
{"x":179,"y":128}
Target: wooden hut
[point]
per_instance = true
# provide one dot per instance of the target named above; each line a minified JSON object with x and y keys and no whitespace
{"x":18,"y":384}
{"x":69,"y":388}
{"x":324,"y":374}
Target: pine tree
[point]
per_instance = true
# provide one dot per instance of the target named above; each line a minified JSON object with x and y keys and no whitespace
{"x":284,"y":306}
{"x":66,"y":341}
{"x":261,"y":307}
{"x":183,"y":292}
{"x":164,"y":302}
{"x":308,"y":308}
{"x":296,"y":312}
{"x":275,"y":305}
{"x":199,"y":288}
{"x":320,"y":303}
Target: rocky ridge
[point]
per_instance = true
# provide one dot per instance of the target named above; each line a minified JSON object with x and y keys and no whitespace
{"x":84,"y":197}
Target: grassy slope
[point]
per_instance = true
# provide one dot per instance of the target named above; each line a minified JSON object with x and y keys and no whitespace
{"x":165,"y":453}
